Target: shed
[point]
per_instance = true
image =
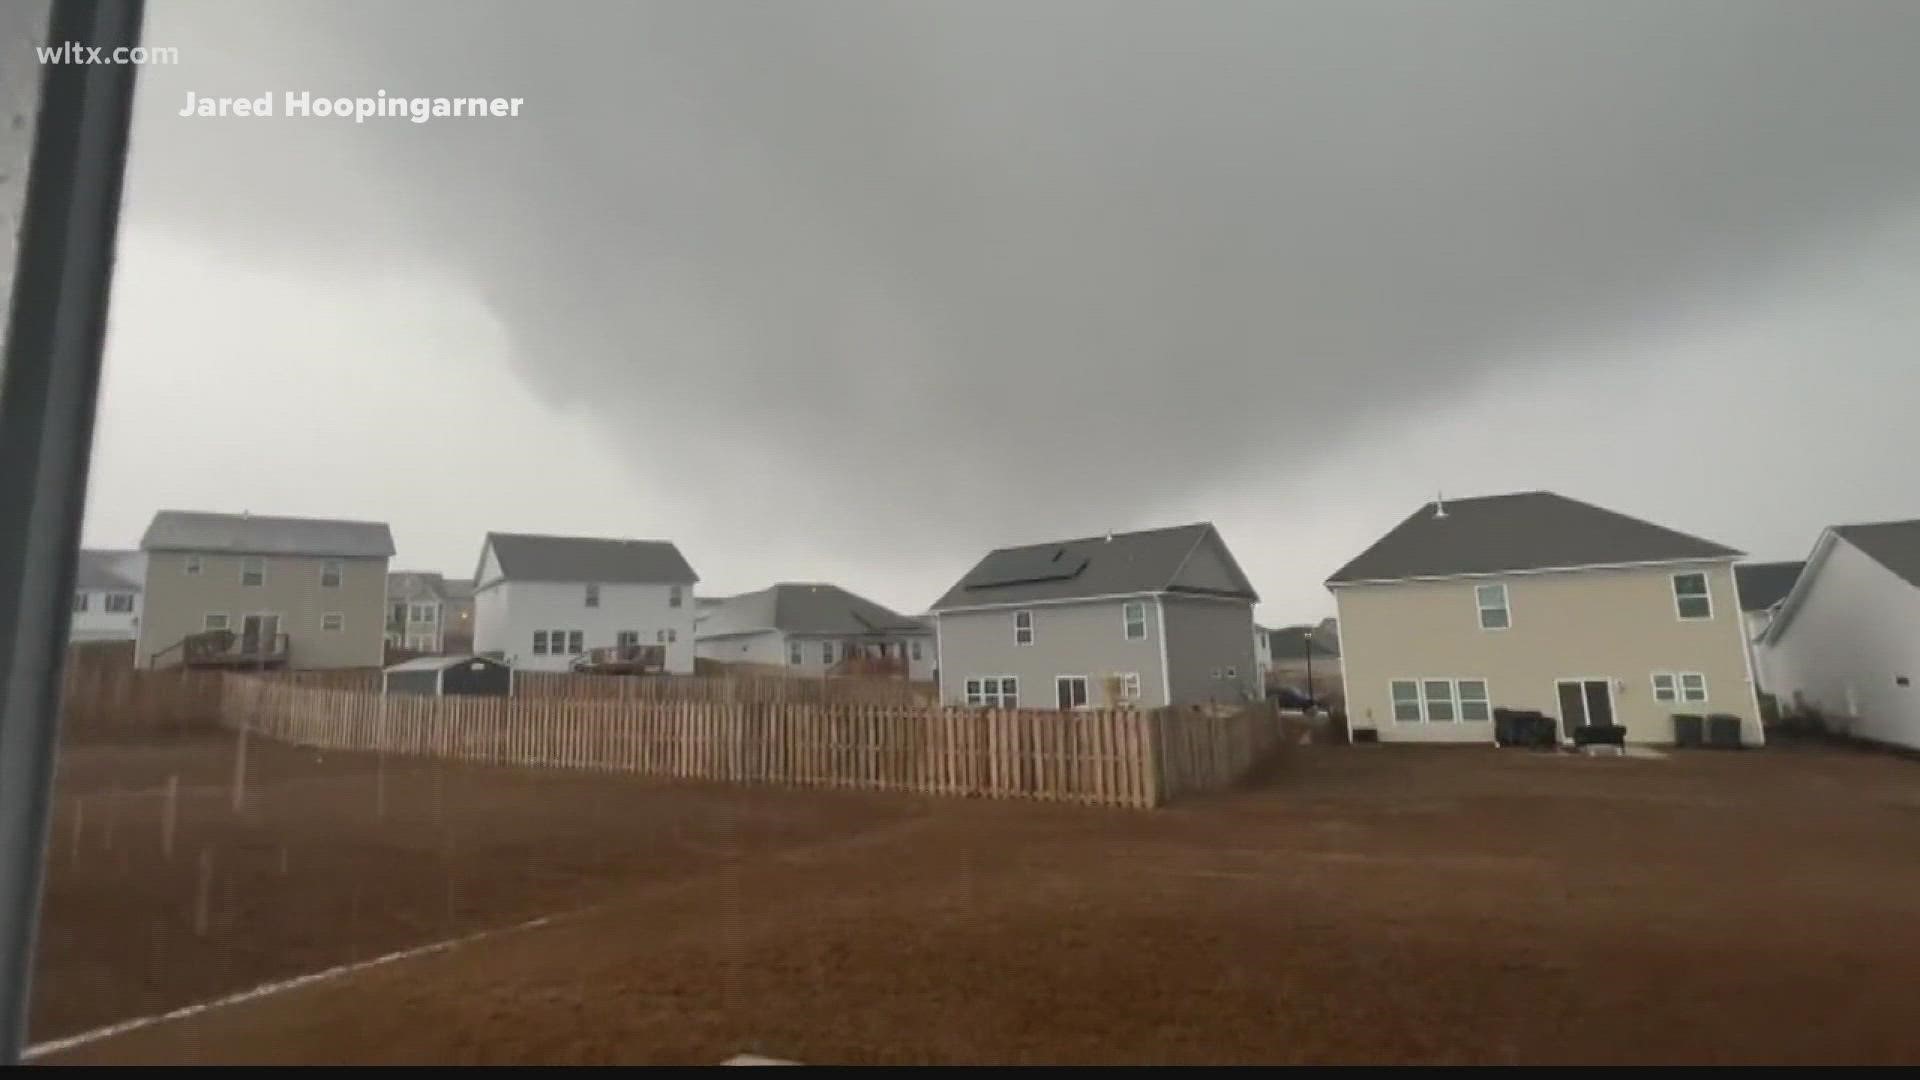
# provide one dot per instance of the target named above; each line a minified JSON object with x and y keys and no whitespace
{"x":441,"y":676}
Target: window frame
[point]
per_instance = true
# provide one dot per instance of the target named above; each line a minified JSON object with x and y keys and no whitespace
{"x":253,"y":560}
{"x":1456,"y":701}
{"x":1505,"y":607}
{"x":1129,"y":687}
{"x":339,"y":619}
{"x":1427,"y":702}
{"x":1673,"y":687}
{"x":592,"y":595}
{"x":339,"y":573}
{"x":1686,"y":697}
{"x":1394,"y":702}
{"x":1127,"y":621}
{"x":576,"y":642}
{"x":1485,"y":700}
{"x":826,"y":653}
{"x":1005,"y":687}
{"x":107,"y":599}
{"x":626,"y":639}
{"x":540,"y":643}
{"x":1023,"y":615}
{"x":796,"y":653}
{"x":192,"y":565}
{"x":674,"y":597}
{"x":82,"y":601}
{"x":913,"y":648}
{"x":432,"y":613}
{"x":206,"y":622}
{"x":1085,"y":695}
{"x":1705,"y":594}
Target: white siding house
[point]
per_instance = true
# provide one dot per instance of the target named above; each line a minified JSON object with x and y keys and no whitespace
{"x":812,"y":628}
{"x":106,"y":596}
{"x":1846,"y":641}
{"x":542,"y":601}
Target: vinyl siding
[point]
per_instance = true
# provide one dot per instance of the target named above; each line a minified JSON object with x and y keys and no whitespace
{"x":1205,"y":640}
{"x":177,"y":604}
{"x":1618,"y":625}
{"x":508,"y":614}
{"x":1069,"y":639}
{"x":1855,"y":633}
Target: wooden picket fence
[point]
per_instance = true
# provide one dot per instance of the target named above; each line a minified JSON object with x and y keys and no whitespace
{"x":97,"y":701}
{"x":730,"y":689}
{"x":1106,"y":757}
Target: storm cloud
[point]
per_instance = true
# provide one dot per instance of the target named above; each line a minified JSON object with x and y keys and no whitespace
{"x":909,"y":280}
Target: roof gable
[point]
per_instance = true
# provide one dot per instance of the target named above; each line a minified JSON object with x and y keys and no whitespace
{"x":256,"y":534}
{"x":1536,"y":530}
{"x":1153,"y":560}
{"x":1763,"y":585}
{"x":528,"y":557}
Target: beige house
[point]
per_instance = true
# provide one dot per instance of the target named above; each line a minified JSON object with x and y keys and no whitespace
{"x":1537,"y":601}
{"x":246,"y":591}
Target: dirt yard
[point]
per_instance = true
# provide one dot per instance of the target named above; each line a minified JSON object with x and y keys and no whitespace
{"x":1360,"y":904}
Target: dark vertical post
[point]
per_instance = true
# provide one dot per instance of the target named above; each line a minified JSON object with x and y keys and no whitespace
{"x":57,"y":324}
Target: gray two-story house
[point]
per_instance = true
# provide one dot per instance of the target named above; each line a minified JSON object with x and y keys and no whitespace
{"x":1151,"y":618}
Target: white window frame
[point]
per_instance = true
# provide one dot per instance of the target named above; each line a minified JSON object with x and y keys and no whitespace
{"x":796,"y":653}
{"x":978,"y":697}
{"x":1129,"y":686}
{"x":1456,"y":701}
{"x":576,"y":642}
{"x":1686,"y":696}
{"x":826,"y":652}
{"x":1394,"y":702}
{"x":626,"y":639}
{"x":339,"y":574}
{"x":206,"y":622}
{"x":106,"y":604}
{"x":414,"y":613}
{"x":339,"y":620}
{"x":253,"y":560}
{"x":540,"y":643}
{"x":1426,"y":702}
{"x":1086,"y":691}
{"x":81,"y":601}
{"x":1460,"y":701}
{"x":914,"y":648}
{"x":1673,"y":687}
{"x":1127,"y":620}
{"x":1706,"y":593}
{"x":593,"y":595}
{"x":1505,"y":607}
{"x":191,"y":566}
{"x":673,"y":596}
{"x":1018,"y":629}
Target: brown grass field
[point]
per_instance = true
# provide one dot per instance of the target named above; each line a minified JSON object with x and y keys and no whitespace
{"x":1356,"y":904}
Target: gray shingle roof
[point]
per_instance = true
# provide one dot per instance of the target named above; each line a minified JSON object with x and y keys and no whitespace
{"x":414,"y":583}
{"x":1893,"y":544}
{"x":102,"y":570}
{"x":1765,"y":584}
{"x":526,"y":557}
{"x":1535,"y":530}
{"x":1135,"y":562}
{"x":804,"y":608}
{"x":257,"y":534}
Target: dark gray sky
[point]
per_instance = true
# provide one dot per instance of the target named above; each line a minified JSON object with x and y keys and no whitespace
{"x":854,"y":291}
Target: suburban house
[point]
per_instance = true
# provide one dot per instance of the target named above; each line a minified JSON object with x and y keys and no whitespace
{"x":429,"y":613}
{"x":106,"y":596}
{"x":1845,"y":642}
{"x":815,"y":629}
{"x":544,"y":602}
{"x":255,"y":591}
{"x":1762,"y":587}
{"x":1148,"y":618}
{"x":1537,"y":601}
{"x":1305,"y":657}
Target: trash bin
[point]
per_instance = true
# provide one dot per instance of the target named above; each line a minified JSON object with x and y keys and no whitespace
{"x":1600,"y":735}
{"x":1540,"y":731}
{"x":1723,"y":731}
{"x":1689,"y":730}
{"x":1505,"y":733}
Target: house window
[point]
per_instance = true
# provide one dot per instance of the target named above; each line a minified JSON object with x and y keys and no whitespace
{"x":423,"y":613}
{"x":399,"y":613}
{"x":1474,"y":703}
{"x":1133,"y":614}
{"x":793,"y":652}
{"x":1406,"y":701}
{"x":994,"y":692}
{"x":330,"y":574}
{"x":627,"y":639}
{"x":673,"y":635}
{"x":1693,"y":686}
{"x":1665,"y":687}
{"x":1070,"y":691}
{"x":1492,"y":601}
{"x":576,"y":641}
{"x":1232,"y":672}
{"x":253,"y":571}
{"x":593,"y":596}
{"x":673,"y":596}
{"x":1690,"y":596}
{"x":826,"y":652}
{"x":539,"y":643}
{"x":120,"y":603}
{"x":420,"y":643}
{"x":915,"y":646}
{"x":214,"y":621}
{"x":333,"y":622}
{"x":1130,"y":686}
{"x":1437,"y":696}
{"x":79,"y":602}
{"x":1023,"y":628}
{"x":192,"y":566}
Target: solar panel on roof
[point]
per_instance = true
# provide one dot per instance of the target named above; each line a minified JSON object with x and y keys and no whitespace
{"x":1026,"y":566}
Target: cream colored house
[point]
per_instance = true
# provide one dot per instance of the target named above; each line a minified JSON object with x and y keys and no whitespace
{"x":246,"y":591}
{"x":1538,"y":601}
